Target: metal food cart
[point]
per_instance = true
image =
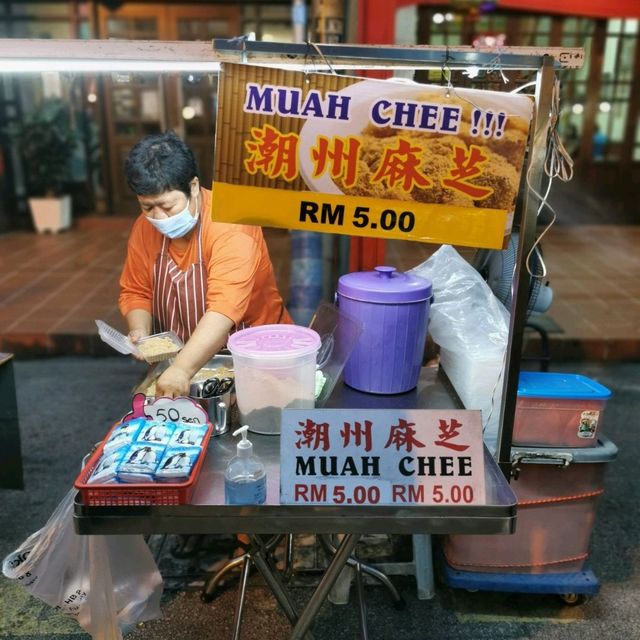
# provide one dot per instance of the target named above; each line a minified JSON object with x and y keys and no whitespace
{"x":208,"y":513}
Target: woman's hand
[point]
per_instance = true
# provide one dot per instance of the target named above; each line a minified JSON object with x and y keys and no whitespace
{"x":173,"y":382}
{"x":135,"y":336}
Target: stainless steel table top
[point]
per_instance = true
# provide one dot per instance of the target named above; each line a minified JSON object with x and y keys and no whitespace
{"x":207,"y":512}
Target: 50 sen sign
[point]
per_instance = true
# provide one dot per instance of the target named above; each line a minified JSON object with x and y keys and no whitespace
{"x":381,"y":456}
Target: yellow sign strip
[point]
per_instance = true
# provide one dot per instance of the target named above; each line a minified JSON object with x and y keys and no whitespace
{"x":358,"y":216}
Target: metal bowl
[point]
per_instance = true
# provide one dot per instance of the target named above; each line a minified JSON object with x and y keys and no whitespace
{"x":218,"y":416}
{"x":218,"y":410}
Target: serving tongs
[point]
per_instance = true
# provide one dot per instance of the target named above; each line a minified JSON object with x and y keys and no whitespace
{"x":216,"y":387}
{"x":211,"y":388}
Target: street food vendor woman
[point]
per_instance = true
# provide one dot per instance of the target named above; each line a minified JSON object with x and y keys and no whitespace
{"x":184,"y":272}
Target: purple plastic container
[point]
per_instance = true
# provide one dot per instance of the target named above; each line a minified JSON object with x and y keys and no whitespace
{"x":394,"y":310}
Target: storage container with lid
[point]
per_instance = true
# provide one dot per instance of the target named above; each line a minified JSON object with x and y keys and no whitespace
{"x":275,"y":368}
{"x":558,"y":409}
{"x":393,"y":308}
{"x":557,"y":490}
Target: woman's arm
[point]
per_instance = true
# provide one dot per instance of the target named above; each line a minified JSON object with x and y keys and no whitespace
{"x":139,"y":323}
{"x":136,"y":279}
{"x":207,"y":339}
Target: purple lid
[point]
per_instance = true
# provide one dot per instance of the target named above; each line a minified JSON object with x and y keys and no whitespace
{"x":274,"y":340}
{"x":384,"y":284}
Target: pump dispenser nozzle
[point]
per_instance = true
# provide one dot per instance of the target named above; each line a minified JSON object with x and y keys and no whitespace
{"x":244,"y":447}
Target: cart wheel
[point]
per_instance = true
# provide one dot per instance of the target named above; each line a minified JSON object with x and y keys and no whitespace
{"x":574,"y":599}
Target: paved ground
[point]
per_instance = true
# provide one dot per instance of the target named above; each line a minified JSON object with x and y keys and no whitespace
{"x":67,"y":403}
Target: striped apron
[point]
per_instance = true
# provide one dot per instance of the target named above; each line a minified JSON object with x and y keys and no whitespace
{"x":179,"y":297}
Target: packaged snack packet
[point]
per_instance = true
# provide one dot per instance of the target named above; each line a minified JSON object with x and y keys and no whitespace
{"x":135,"y":478}
{"x":123,"y":434}
{"x":107,"y":468}
{"x":177,"y":463}
{"x":140,"y":462}
{"x":156,"y":431}
{"x":188,"y":435}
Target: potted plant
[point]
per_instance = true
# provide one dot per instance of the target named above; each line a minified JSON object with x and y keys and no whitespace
{"x":45,"y":141}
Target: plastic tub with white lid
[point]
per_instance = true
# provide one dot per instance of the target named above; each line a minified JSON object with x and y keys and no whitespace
{"x":275,"y":368}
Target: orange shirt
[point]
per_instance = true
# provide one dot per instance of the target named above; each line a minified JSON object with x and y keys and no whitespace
{"x":240,"y":284}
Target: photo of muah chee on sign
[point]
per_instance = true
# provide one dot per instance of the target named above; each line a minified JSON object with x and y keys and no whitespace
{"x":381,"y":456}
{"x":388,"y":159}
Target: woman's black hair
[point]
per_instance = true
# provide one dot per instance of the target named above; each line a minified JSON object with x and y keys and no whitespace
{"x":158,"y":163}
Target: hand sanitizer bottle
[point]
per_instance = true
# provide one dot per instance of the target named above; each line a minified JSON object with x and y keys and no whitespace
{"x":245,"y":478}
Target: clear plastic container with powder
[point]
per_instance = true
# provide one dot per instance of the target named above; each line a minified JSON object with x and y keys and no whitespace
{"x":275,"y":368}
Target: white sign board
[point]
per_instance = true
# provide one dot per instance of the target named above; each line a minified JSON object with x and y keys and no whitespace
{"x":381,"y":456}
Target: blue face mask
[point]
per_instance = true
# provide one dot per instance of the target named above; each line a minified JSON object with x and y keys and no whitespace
{"x":176,"y":226}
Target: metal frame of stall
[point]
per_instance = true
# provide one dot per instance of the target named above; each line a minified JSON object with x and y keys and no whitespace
{"x":544,"y":61}
{"x":108,"y":56}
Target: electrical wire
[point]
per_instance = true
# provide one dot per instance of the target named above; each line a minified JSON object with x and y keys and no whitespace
{"x":557,"y":164}
{"x":543,"y":203}
{"x":523,"y":87}
{"x":322,"y":56}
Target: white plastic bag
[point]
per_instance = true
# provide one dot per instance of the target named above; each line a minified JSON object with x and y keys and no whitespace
{"x":108,"y":583}
{"x":472,"y":329}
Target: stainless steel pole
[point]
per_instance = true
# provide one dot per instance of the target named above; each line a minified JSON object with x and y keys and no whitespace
{"x":339,"y":561}
{"x":521,"y":280}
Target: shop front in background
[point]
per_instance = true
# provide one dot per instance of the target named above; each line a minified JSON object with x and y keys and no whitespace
{"x":138,"y":104}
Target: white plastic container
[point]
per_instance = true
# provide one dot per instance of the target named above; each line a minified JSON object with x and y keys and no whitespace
{"x":275,"y":368}
{"x":160,"y":346}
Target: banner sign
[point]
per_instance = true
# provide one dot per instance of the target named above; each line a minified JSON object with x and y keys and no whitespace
{"x":378,"y":158}
{"x":381,"y":456}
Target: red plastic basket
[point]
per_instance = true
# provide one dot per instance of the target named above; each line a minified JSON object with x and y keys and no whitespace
{"x":130,"y":495}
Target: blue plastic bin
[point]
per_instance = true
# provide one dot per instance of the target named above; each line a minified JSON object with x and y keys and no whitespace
{"x":558,"y":410}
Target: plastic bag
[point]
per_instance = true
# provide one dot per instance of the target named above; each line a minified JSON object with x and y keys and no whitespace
{"x":108,"y":583}
{"x":471,"y":327}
